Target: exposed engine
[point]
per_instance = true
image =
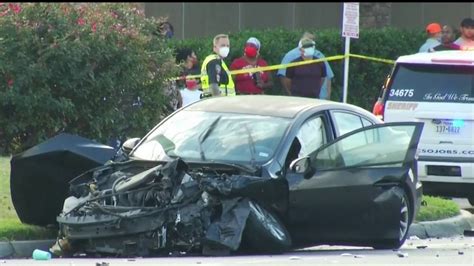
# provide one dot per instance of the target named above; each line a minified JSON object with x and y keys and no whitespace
{"x":143,"y":210}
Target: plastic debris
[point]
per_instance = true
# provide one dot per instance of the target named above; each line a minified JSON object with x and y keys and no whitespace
{"x":460,"y":252}
{"x":469,"y":232}
{"x":421,"y":247}
{"x":402,"y":255}
{"x":359,"y":256}
{"x":39,"y":254}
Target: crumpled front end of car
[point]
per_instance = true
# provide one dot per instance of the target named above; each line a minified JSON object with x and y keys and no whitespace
{"x":149,"y":208}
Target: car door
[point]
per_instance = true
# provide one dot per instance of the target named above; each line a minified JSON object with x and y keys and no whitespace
{"x":346,"y":195}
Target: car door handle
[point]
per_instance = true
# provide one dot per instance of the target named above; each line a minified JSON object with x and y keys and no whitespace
{"x":386,"y":184}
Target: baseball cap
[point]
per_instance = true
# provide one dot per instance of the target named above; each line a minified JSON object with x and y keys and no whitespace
{"x":433,"y":28}
{"x":304,"y":43}
{"x":254,"y":41}
{"x":467,"y":23}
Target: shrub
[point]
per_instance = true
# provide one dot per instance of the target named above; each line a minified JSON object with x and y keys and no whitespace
{"x":365,"y":77}
{"x":96,"y":70}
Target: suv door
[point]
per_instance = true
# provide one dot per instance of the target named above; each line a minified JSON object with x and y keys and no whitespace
{"x":350,"y":194}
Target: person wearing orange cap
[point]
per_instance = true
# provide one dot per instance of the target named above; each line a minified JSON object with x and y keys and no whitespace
{"x":434,"y":37}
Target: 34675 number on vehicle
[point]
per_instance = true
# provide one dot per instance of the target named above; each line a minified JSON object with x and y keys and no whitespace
{"x":401,"y":92}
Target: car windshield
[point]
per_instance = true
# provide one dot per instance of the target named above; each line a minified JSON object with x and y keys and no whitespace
{"x":213,"y":136}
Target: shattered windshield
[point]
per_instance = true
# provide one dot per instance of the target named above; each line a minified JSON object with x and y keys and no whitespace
{"x":212,"y":136}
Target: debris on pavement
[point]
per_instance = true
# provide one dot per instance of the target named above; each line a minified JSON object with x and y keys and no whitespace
{"x":421,"y":247}
{"x":39,"y":254}
{"x":402,"y":255}
{"x":468,"y":232}
{"x":460,"y":252}
{"x":295,"y":258}
{"x":346,"y":254}
{"x":414,"y":238}
{"x":359,"y":256}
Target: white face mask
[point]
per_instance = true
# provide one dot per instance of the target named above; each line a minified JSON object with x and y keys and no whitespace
{"x":308,"y":52}
{"x":224,"y":51}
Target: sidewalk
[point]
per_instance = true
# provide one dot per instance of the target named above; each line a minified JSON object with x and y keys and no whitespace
{"x":442,"y":228}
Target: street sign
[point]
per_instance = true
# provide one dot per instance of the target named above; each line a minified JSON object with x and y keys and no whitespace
{"x":350,"y":29}
{"x":350,"y":20}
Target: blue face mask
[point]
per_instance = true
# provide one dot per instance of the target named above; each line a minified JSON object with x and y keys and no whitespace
{"x":308,"y":52}
{"x":169,"y":34}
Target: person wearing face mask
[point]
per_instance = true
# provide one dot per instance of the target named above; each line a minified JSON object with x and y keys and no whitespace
{"x":434,"y":37}
{"x":306,"y":80}
{"x":189,"y":88}
{"x":215,"y":77}
{"x":296,"y":53}
{"x":251,"y":83}
{"x":166,"y":30}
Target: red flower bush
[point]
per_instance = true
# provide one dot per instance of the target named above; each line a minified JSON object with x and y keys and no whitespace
{"x":71,"y":74}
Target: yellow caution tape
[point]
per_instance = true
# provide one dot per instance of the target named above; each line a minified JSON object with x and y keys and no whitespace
{"x":280,"y":66}
{"x":372,"y":58}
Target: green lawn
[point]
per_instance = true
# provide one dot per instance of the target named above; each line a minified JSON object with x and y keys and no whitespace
{"x":433,"y":208}
{"x":6,"y":207}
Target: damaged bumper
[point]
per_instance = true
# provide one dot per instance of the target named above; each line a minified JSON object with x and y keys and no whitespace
{"x":134,"y":211}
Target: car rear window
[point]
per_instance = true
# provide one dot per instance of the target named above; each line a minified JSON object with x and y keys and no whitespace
{"x":432,"y":83}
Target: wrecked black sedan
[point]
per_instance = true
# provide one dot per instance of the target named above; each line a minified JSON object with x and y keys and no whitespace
{"x":249,"y":173}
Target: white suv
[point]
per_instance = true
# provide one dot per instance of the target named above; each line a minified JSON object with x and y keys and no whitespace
{"x":437,"y":89}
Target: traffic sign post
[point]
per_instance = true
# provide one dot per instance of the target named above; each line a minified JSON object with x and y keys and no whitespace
{"x":350,"y":29}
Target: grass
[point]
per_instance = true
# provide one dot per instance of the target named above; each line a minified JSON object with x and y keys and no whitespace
{"x":433,"y":208}
{"x":11,"y":227}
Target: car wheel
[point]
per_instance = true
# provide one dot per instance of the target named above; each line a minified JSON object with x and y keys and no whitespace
{"x":471,"y":200}
{"x":404,"y":224}
{"x":264,"y":232}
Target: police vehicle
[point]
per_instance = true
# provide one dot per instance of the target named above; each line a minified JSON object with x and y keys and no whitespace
{"x":437,"y":89}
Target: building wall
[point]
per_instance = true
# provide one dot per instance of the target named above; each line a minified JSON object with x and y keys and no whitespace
{"x":207,"y":19}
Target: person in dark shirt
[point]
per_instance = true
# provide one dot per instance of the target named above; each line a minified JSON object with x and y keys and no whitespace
{"x":187,"y":58}
{"x":447,"y":40}
{"x":306,"y":80}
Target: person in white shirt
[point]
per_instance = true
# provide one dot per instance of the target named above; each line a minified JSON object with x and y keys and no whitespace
{"x":189,"y":88}
{"x":466,"y":41}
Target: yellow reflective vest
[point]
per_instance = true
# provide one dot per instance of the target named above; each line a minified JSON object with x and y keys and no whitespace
{"x":226,"y":90}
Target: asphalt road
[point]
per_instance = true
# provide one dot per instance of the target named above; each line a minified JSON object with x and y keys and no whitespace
{"x":446,"y":251}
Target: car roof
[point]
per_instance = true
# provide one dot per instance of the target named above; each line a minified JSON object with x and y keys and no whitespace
{"x":452,"y":57}
{"x":268,"y":105}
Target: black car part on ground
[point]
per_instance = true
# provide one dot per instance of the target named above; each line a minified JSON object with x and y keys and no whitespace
{"x":140,"y":208}
{"x":40,"y":175}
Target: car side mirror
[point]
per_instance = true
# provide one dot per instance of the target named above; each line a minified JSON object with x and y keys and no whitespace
{"x":129,"y":144}
{"x":302,"y":165}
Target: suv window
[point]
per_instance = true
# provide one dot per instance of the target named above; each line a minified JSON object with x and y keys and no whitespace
{"x":432,"y":83}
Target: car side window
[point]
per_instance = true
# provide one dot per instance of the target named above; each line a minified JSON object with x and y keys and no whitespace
{"x":346,"y":122}
{"x":367,"y":148}
{"x":311,"y":135}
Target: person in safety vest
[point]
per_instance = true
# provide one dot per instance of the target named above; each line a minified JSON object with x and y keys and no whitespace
{"x":215,"y":77}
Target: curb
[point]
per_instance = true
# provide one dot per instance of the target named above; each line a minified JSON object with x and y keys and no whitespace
{"x":443,"y":228}
{"x":432,"y":229}
{"x":23,"y":249}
